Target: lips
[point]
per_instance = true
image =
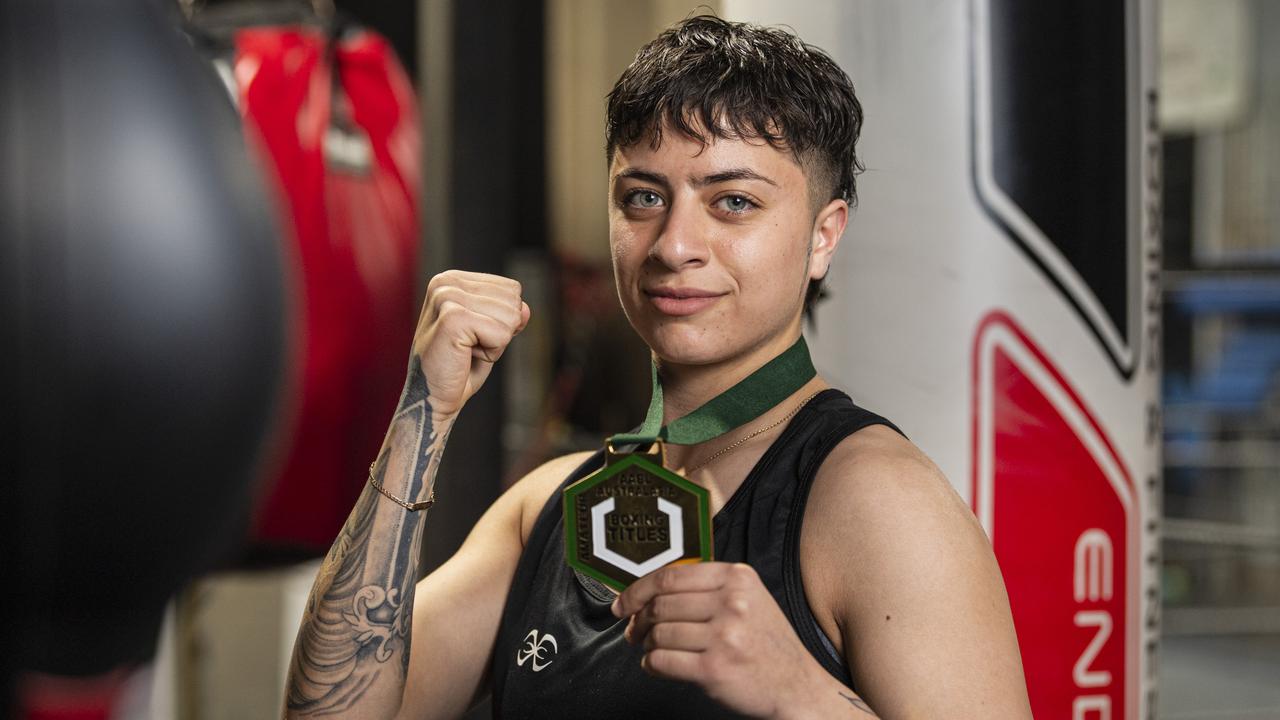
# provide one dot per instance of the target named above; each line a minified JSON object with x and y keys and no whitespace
{"x":681,"y":301}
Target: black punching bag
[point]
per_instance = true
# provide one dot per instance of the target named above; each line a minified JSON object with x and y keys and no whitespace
{"x":143,"y":327}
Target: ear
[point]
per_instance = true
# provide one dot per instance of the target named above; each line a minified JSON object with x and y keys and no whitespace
{"x":828,"y":227}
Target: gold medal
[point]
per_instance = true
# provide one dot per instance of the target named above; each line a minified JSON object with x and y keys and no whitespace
{"x":634,"y":516}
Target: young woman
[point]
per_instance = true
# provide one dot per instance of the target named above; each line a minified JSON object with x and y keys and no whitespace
{"x":849,"y":576}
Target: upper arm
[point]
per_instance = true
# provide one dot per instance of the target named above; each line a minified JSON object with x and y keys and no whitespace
{"x":910,"y":579}
{"x":458,"y":607}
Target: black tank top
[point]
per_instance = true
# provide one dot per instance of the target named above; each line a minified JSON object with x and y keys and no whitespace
{"x":560,"y":651}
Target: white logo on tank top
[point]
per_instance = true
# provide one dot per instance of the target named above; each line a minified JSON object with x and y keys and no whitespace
{"x":534,"y":649}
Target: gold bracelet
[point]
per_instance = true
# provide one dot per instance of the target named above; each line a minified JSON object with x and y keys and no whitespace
{"x":411,"y":507}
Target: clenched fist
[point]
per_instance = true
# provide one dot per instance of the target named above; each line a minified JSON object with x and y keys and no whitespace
{"x":716,"y":625}
{"x":466,"y":323}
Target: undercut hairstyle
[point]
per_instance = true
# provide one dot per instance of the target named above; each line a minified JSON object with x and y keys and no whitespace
{"x":707,"y":77}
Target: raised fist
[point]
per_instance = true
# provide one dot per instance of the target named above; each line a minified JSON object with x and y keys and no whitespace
{"x":466,"y":323}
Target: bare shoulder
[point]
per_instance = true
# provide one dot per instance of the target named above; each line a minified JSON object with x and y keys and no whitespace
{"x":898,"y":568}
{"x":896,"y":518}
{"x":536,"y":488}
{"x":894,"y":491}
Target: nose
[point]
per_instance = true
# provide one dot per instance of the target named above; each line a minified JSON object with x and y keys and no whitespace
{"x":681,"y":240}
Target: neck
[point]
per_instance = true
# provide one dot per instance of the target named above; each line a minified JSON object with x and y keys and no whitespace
{"x":685,"y":388}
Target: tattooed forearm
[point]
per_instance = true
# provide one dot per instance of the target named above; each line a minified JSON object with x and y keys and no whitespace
{"x":358,"y":615}
{"x":859,"y":704}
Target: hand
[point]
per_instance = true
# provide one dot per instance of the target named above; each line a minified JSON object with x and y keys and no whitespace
{"x":716,"y":625}
{"x":467,"y":321}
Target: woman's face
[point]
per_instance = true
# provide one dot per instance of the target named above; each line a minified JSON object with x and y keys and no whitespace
{"x":714,"y":246}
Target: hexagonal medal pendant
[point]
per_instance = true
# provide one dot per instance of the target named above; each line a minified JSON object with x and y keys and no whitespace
{"x":634,"y":516}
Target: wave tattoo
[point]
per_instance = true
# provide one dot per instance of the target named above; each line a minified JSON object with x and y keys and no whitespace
{"x":357,"y":618}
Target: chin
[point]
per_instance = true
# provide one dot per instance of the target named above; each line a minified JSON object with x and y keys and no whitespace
{"x":686,"y":343}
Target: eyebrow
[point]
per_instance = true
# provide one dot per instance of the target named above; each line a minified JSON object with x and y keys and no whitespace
{"x":638,"y":174}
{"x":733,"y":174}
{"x":712,"y":179}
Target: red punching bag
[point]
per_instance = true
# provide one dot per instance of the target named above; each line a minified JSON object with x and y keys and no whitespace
{"x":333,"y":118}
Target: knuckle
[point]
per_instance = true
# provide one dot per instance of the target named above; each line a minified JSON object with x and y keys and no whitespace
{"x":712,"y":668}
{"x":655,"y":661}
{"x":660,"y":607}
{"x":660,"y":634}
{"x":742,"y":572}
{"x":738,"y":603}
{"x":515,"y":316}
{"x":442,"y":279}
{"x":660,"y":581}
{"x":666,"y":580}
{"x":451,"y":312}
{"x":732,"y":637}
{"x":437,"y":295}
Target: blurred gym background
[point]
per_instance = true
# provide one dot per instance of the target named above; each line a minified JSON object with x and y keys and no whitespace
{"x":475,"y":133}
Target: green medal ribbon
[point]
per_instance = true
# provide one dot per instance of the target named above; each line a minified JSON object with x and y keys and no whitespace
{"x":755,"y":394}
{"x":634,"y":515}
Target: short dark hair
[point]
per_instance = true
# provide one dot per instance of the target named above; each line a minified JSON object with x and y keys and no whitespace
{"x":738,"y":80}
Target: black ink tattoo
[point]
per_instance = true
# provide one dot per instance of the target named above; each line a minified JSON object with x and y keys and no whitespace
{"x":859,"y":704}
{"x":359,"y":613}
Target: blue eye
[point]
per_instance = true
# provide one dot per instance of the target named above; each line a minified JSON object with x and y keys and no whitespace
{"x":643,"y":199}
{"x":735,"y":204}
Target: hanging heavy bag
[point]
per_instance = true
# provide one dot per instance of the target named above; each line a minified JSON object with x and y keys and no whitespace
{"x":332,"y":117}
{"x":143,"y":323}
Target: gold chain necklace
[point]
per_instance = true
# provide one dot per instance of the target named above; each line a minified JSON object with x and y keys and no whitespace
{"x":738,"y":443}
